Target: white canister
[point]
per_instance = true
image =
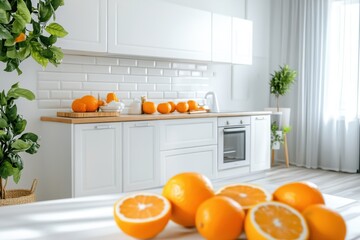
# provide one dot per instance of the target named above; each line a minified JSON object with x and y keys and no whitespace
{"x":135,"y":107}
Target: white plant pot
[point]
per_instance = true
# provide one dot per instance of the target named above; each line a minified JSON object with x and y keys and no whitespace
{"x":276,"y":145}
{"x":285,"y":118}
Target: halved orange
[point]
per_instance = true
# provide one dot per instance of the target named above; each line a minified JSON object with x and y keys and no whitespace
{"x":247,"y":195}
{"x":142,"y":215}
{"x":275,"y":220}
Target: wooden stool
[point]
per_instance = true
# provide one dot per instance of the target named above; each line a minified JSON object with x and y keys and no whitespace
{"x":285,"y":152}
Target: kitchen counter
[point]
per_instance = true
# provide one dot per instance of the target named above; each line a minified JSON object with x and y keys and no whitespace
{"x":148,"y":117}
{"x":92,"y":218}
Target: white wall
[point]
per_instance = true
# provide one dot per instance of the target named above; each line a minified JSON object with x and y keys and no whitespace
{"x":239,"y":87}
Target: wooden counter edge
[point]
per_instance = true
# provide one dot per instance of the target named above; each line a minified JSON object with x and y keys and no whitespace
{"x":145,"y":117}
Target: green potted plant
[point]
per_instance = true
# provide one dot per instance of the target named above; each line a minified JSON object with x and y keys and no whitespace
{"x":13,"y":140}
{"x":26,"y":29}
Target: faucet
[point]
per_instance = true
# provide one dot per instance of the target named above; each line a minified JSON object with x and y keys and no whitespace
{"x":214,"y":104}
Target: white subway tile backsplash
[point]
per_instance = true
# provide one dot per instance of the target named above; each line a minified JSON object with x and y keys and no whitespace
{"x":170,"y":72}
{"x":127,"y":86}
{"x":107,"y":61}
{"x":120,"y":70}
{"x":183,"y":66}
{"x":138,"y":71}
{"x":48,"y":85}
{"x":71,"y":85}
{"x":146,"y":87}
{"x":156,"y":95}
{"x":43,"y":94}
{"x":128,"y":62}
{"x":171,"y":95}
{"x":60,"y":94}
{"x":154,"y":71}
{"x":163,"y":87}
{"x":138,"y":79}
{"x":60,"y":76}
{"x":187,"y":95}
{"x":49,"y":104}
{"x":100,"y":86}
{"x":159,"y":79}
{"x":105,"y":78}
{"x":138,"y":94}
{"x":129,"y":78}
{"x":79,"y":59}
{"x":184,"y":73}
{"x":163,"y":64}
{"x":145,"y":63}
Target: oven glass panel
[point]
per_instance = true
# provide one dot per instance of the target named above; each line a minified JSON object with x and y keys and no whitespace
{"x":234,"y":146}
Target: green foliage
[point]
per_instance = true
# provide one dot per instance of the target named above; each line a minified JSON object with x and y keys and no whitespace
{"x":18,"y":17}
{"x":278,"y":137}
{"x":281,"y":82}
{"x":13,"y":140}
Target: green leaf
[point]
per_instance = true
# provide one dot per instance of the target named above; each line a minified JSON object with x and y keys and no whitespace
{"x":57,"y":3}
{"x":21,"y":92}
{"x":20,"y":145}
{"x":19,"y":24}
{"x":45,"y":12}
{"x":3,"y":123}
{"x":38,"y":58}
{"x":4,"y":4}
{"x":56,"y":30}
{"x":16,"y":174}
{"x":23,"y":11}
{"x":48,"y":41}
{"x":4,"y":33}
{"x":24,"y":52}
{"x":11,"y":52}
{"x":29,"y":136}
{"x":34,"y":148}
{"x":4,"y":16}
{"x":36,"y":27}
{"x":6,"y":170}
{"x":2,"y":132}
{"x":11,"y":113}
{"x":3,"y":101}
{"x":59,"y":55}
{"x":1,"y":152}
{"x":19,"y":126}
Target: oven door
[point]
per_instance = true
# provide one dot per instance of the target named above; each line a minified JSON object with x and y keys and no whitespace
{"x":234,"y":147}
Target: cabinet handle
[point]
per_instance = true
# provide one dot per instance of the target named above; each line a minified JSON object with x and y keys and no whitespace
{"x":142,"y":124}
{"x":99,"y":127}
{"x":260,"y":118}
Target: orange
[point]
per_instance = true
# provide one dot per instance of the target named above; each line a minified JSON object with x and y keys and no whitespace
{"x":247,"y":195}
{"x":111,"y":97}
{"x":220,"y":216}
{"x":173,"y":106}
{"x":186,"y":191}
{"x":193,"y":105}
{"x":182,"y":107}
{"x":275,"y":220}
{"x":299,"y":195}
{"x":20,"y":38}
{"x":142,"y":215}
{"x":78,"y":106}
{"x":324,"y":223}
{"x":91,"y":103}
{"x":164,"y":108}
{"x":149,"y":107}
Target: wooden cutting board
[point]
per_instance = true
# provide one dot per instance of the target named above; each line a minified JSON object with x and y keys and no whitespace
{"x":87,"y":114}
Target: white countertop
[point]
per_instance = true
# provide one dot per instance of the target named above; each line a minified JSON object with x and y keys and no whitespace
{"x":92,"y":218}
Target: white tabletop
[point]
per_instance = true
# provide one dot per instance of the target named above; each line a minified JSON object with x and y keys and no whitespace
{"x":92,"y":218}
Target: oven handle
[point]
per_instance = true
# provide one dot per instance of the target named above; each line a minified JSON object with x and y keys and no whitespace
{"x":232,"y":130}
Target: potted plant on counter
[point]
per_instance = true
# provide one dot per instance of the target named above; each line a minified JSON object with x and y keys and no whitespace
{"x":14,"y":141}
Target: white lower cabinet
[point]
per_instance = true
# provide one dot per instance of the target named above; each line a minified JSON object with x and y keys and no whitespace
{"x":97,"y":159}
{"x":141,"y":155}
{"x":260,"y":143}
{"x":199,"y":159}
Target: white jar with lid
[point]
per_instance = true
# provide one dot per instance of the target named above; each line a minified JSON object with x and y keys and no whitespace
{"x":135,"y":107}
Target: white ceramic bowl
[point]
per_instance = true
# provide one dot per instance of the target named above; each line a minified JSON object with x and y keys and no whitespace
{"x":113,"y":107}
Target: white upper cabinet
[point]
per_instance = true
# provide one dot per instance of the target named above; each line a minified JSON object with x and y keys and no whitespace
{"x":242,"y":41}
{"x":221,"y":38}
{"x":159,"y":29}
{"x":86,"y":22}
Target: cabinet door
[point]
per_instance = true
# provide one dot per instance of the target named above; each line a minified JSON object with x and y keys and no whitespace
{"x":221,"y":38}
{"x":183,"y":133}
{"x":97,"y":159}
{"x":141,"y":156}
{"x":159,"y":29}
{"x":242,"y":38}
{"x":85,"y":20}
{"x":260,"y":143}
{"x":199,"y":159}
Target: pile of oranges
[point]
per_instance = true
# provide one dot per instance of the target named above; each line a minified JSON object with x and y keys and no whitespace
{"x":169,"y":107}
{"x":294,"y":211}
{"x":89,"y":103}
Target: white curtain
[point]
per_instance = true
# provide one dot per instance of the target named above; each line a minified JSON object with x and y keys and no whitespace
{"x":316,"y":39}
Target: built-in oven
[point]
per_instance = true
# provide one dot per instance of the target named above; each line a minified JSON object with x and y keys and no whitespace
{"x":233,"y":142}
